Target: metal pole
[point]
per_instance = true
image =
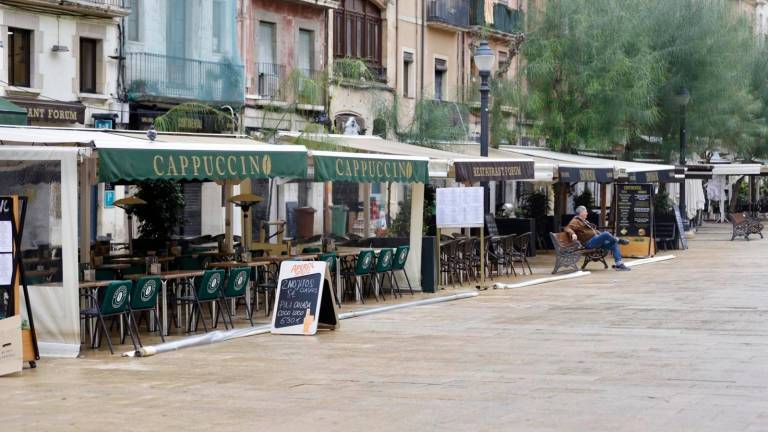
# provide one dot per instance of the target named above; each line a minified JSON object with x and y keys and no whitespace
{"x":682,"y":161}
{"x":484,"y":126}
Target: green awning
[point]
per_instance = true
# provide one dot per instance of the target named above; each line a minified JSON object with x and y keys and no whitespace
{"x":201,"y":162}
{"x":369,"y":168}
{"x":12,"y":114}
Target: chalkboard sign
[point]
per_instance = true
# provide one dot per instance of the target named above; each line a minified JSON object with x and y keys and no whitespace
{"x":490,"y":225}
{"x":634,"y":215}
{"x":680,"y":228}
{"x":304,"y":300}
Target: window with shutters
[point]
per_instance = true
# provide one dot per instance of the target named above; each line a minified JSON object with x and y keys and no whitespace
{"x":441,"y":67}
{"x":19,"y":57}
{"x":132,"y":20}
{"x":193,"y":194}
{"x":357,"y":34}
{"x":219,"y":26}
{"x":88,"y":61}
{"x":409,"y":75}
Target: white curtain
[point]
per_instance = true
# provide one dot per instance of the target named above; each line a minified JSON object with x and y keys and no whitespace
{"x":56,"y":309}
{"x":694,"y":195}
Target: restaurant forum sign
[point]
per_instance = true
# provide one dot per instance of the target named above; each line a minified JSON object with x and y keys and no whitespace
{"x":59,"y":112}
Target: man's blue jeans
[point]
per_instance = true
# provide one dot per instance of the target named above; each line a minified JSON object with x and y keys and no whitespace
{"x":606,"y":241}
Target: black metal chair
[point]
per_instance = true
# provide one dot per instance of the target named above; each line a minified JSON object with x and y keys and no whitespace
{"x":522,"y":244}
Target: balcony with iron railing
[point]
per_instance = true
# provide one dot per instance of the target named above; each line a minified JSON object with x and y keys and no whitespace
{"x":94,"y":8}
{"x":449,"y":14}
{"x":155,"y":76}
{"x":302,"y":86}
{"x":505,"y":20}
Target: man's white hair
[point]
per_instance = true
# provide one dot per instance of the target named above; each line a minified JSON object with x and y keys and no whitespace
{"x":580,"y":209}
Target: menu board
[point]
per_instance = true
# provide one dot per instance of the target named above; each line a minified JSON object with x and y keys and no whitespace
{"x":7,"y":258}
{"x":304,"y":300}
{"x":459,"y":207}
{"x":634,"y":215}
{"x":680,"y":227}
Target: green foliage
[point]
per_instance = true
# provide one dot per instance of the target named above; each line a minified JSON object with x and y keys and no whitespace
{"x":163,"y":211}
{"x":352,"y":71}
{"x":591,"y":73}
{"x":584,"y":199}
{"x":603,"y":72}
{"x":436,"y":121}
{"x":177,"y":118}
{"x":535,"y":205}
{"x":662,"y":203}
{"x":401,"y":225}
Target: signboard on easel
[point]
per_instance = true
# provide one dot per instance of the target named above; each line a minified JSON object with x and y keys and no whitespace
{"x":304,"y":300}
{"x":461,"y":208}
{"x":12,"y":214}
{"x":634,"y":219}
{"x":680,"y":228}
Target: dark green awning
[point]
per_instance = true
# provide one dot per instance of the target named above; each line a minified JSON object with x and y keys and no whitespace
{"x":12,"y":114}
{"x":369,"y":168}
{"x":201,"y":162}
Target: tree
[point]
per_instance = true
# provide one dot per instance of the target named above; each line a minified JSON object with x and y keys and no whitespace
{"x":604,"y":72}
{"x":163,"y":212}
{"x":591,"y":77}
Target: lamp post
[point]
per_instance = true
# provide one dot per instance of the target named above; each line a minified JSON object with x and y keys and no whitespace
{"x":681,"y":99}
{"x":484,"y":60}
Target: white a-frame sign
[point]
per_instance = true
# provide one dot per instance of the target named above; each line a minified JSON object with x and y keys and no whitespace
{"x":304,"y":300}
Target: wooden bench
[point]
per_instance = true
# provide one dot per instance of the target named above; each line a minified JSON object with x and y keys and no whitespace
{"x":568,"y":253}
{"x":744,"y":226}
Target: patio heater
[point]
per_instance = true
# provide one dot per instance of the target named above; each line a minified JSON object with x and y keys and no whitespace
{"x":129,"y":204}
{"x":245,"y":202}
{"x":484,"y":60}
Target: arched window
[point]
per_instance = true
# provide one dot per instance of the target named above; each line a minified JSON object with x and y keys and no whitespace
{"x":357,"y":31}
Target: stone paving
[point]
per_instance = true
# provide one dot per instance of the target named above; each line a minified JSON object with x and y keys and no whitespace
{"x":680,"y":345}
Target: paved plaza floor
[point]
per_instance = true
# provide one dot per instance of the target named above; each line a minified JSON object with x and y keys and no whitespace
{"x":680,"y":345}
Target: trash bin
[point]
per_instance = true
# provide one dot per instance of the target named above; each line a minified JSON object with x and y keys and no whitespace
{"x":305,"y":221}
{"x":339,"y":220}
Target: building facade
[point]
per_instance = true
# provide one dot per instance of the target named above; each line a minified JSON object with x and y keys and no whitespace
{"x":79,"y":40}
{"x":286,"y":62}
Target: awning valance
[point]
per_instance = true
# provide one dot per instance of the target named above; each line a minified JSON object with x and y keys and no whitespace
{"x":12,"y":114}
{"x":476,"y":170}
{"x":369,"y":168}
{"x":656,"y":176}
{"x":202,"y":162}
{"x":585,"y":174}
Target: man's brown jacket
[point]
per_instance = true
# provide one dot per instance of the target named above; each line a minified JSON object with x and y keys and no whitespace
{"x":583,"y":229}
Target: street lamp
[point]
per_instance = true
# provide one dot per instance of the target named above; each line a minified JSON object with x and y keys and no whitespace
{"x":484,"y":60}
{"x":681,"y":99}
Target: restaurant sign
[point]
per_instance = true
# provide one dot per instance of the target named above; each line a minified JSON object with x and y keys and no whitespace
{"x":576,"y":175}
{"x":370,"y":169}
{"x":116,"y":165}
{"x":60,"y":112}
{"x":493,"y":170}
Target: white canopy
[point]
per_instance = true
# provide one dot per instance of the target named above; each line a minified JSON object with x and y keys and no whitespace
{"x":440,"y":161}
{"x":571,"y":160}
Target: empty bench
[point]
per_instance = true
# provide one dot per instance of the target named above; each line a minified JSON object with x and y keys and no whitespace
{"x":744,"y":226}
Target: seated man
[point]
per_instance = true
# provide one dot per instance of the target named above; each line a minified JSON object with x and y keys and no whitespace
{"x":588,"y":235}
